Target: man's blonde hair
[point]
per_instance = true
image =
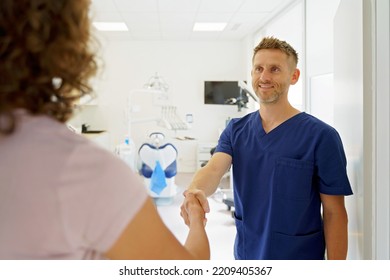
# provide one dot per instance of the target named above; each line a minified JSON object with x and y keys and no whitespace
{"x":276,"y":44}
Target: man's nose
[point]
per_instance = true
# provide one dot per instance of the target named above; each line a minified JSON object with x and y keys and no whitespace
{"x":265,"y":76}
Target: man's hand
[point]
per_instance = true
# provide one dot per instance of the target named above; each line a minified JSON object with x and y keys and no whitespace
{"x":195,"y":203}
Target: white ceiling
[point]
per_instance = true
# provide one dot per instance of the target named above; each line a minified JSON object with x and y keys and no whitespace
{"x":174,"y":19}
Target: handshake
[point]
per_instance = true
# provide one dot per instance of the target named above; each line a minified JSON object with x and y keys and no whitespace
{"x":194,"y":208}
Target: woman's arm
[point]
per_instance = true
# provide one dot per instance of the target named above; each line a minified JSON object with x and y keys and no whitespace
{"x":147,"y":238}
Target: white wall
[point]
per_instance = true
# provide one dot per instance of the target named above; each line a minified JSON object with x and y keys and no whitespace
{"x":184,"y":65}
{"x":334,"y":49}
{"x":319,"y":58}
{"x":348,"y":111}
{"x":381,"y":131}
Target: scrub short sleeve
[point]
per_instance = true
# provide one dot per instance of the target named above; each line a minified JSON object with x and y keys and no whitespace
{"x":224,"y":142}
{"x":331,"y":165}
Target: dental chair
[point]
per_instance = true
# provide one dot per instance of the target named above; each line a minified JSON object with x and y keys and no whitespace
{"x":157,"y":164}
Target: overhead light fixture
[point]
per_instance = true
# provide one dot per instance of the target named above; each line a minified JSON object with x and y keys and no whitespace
{"x":110,"y":26}
{"x":209,"y":26}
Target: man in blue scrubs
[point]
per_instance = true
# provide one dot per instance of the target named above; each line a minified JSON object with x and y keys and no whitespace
{"x":289,"y":170}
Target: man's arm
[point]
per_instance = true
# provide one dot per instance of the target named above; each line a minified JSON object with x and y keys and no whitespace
{"x":206,"y":181}
{"x":335,"y":226}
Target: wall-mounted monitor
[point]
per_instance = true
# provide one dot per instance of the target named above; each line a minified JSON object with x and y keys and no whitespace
{"x":222,"y":92}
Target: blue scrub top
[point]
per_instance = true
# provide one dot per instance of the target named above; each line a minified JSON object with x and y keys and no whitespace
{"x":277,"y":179}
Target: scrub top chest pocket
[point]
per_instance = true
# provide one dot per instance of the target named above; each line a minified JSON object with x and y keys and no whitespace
{"x":293,"y":178}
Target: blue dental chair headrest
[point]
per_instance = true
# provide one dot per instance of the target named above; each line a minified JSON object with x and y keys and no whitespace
{"x":166,"y":154}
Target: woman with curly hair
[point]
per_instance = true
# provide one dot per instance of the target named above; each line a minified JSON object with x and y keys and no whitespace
{"x":61,"y":196}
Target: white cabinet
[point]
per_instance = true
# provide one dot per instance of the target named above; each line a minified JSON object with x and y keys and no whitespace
{"x":204,"y":154}
{"x":186,"y":155}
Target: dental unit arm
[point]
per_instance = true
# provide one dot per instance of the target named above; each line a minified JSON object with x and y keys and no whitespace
{"x":244,"y":89}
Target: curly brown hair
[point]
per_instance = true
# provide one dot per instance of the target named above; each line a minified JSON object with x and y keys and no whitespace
{"x":274,"y":43}
{"x":46,"y":57}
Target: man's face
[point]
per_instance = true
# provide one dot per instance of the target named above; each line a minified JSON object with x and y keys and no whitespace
{"x":272,"y":74}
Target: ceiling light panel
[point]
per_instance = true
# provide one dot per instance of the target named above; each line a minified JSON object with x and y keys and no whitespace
{"x":110,"y":26}
{"x":209,"y":26}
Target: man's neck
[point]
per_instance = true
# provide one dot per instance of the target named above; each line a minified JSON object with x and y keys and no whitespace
{"x":272,"y":115}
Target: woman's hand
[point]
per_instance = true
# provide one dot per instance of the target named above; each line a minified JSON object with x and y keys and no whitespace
{"x":194,"y":207}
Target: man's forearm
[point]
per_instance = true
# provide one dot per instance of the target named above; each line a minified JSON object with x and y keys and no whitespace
{"x":205,"y":180}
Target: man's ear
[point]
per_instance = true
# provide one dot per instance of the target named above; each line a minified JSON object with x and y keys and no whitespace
{"x":295,"y":76}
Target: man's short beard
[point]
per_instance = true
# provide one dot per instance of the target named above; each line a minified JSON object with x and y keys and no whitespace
{"x":271,"y":100}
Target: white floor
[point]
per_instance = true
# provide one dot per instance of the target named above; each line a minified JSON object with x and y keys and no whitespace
{"x":220,"y":226}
